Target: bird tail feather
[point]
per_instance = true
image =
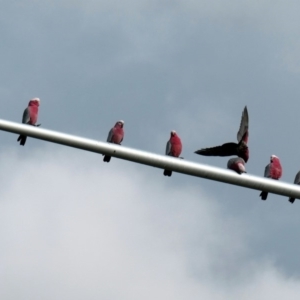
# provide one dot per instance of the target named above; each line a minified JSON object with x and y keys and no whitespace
{"x":264,"y":195}
{"x":22,"y":139}
{"x":107,"y":158}
{"x":292,"y":200}
{"x":168,"y":173}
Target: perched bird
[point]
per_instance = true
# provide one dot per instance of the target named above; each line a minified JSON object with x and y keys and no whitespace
{"x":296,"y":181}
{"x":237,"y":164}
{"x":30,"y":116}
{"x":115,"y":136}
{"x":273,"y":170}
{"x":240,"y":149}
{"x":173,"y":148}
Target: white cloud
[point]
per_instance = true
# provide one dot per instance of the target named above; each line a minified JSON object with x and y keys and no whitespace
{"x":73,"y":227}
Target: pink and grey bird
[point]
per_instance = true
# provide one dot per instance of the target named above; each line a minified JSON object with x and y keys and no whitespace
{"x":274,"y":171}
{"x":237,"y":164}
{"x":173,"y":148}
{"x":30,"y":116}
{"x":296,"y":181}
{"x":115,"y":136}
{"x":240,"y":149}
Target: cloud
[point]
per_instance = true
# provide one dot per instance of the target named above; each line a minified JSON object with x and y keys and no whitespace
{"x":73,"y":227}
{"x":71,"y":222}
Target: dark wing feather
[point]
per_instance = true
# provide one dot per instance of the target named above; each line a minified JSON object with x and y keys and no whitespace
{"x":244,"y":126}
{"x":297,"y":178}
{"x":168,"y":148}
{"x":267,"y":171}
{"x":110,"y":135}
{"x":227,"y":149}
{"x":26,"y":116}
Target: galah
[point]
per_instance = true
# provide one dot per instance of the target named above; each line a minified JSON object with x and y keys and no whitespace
{"x":173,"y":148}
{"x":273,"y":170}
{"x":296,"y":181}
{"x":237,"y":164}
{"x":115,"y":136}
{"x":240,"y":149}
{"x":30,"y":116}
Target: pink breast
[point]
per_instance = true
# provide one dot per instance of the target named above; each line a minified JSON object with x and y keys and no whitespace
{"x":118,"y":135}
{"x":33,"y":111}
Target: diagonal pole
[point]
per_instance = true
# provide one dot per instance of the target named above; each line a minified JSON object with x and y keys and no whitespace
{"x":155,"y":160}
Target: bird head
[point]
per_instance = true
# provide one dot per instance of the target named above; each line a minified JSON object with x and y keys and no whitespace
{"x":173,"y":132}
{"x":273,"y":157}
{"x":35,"y":101}
{"x":120,"y":123}
{"x":241,"y":166}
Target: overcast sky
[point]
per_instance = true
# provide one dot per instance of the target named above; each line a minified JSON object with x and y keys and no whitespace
{"x":72,"y":227}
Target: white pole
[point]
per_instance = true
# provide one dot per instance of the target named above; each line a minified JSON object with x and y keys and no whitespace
{"x":155,"y":160}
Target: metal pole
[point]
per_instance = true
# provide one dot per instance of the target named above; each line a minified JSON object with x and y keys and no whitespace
{"x":155,"y":160}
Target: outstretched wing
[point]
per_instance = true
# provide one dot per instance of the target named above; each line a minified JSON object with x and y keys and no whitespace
{"x":227,"y":149}
{"x":26,"y":116}
{"x":244,"y":126}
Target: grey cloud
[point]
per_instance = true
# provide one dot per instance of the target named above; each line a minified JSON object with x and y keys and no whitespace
{"x":190,"y":66}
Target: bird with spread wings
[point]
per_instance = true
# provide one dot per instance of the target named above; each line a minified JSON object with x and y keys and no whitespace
{"x":240,"y":149}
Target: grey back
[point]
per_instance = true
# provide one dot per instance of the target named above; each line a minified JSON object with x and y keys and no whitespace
{"x":297,"y":178}
{"x":168,"y":148}
{"x":110,"y":135}
{"x":267,"y":171}
{"x":26,"y":116}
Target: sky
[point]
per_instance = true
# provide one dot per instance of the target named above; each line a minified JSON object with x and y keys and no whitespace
{"x":73,"y":227}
